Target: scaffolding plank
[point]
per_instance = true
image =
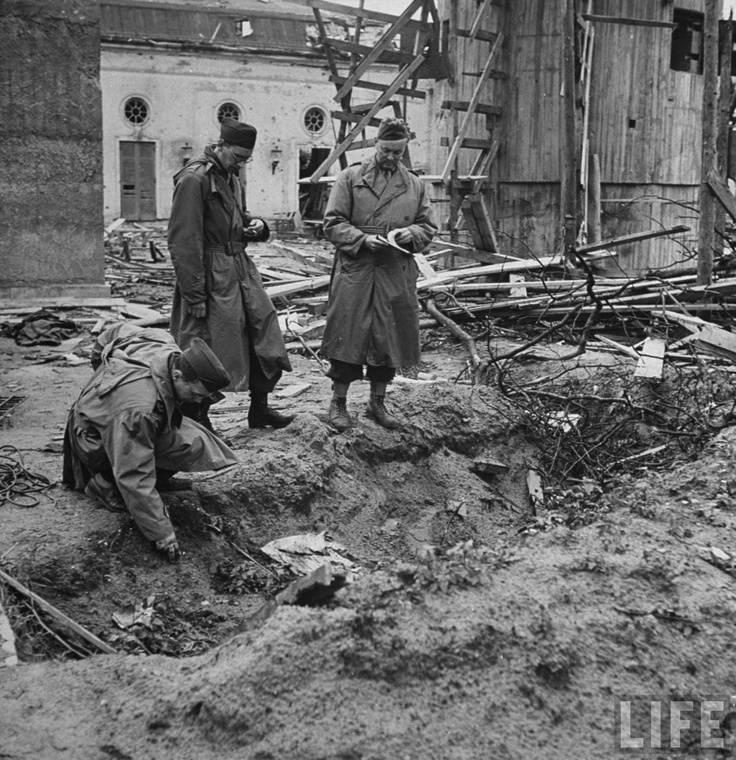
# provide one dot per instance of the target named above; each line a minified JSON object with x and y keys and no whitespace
{"x":382,"y":45}
{"x":395,"y":56}
{"x":479,"y":35}
{"x":404,"y":74}
{"x":409,"y":93}
{"x":464,"y":105}
{"x":365,"y":13}
{"x":474,"y":100}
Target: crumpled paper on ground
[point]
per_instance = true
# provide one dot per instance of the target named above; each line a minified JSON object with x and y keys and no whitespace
{"x":306,"y":552}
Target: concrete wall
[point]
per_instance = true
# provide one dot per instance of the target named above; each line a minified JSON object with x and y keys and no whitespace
{"x":51,"y":224}
{"x":184,"y":91}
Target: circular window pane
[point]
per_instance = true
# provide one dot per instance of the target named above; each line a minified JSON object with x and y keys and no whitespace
{"x":315,"y":120}
{"x":228,"y":110}
{"x":135,"y":111}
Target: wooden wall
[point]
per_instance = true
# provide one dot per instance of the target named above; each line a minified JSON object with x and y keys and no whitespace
{"x":644,"y":125}
{"x":646,"y":129}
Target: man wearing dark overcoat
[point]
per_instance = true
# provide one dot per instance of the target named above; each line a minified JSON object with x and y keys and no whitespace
{"x":219,"y":296}
{"x":373,"y":311}
{"x":125,"y":435}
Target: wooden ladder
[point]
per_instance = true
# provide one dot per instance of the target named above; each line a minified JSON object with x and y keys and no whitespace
{"x":466,"y":193}
{"x":354,"y":119}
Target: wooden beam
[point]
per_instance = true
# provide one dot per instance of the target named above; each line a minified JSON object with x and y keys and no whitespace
{"x":506,"y":267}
{"x":409,"y":93}
{"x":57,"y":614}
{"x":346,"y":10}
{"x":479,"y":35}
{"x":323,"y":37}
{"x":722,"y":193}
{"x":613,"y":242}
{"x":477,"y":22}
{"x":353,"y":118}
{"x":627,"y":21}
{"x":464,"y":105}
{"x":474,"y":100}
{"x":706,"y":226}
{"x":392,"y":56}
{"x":374,"y":53}
{"x":404,"y":74}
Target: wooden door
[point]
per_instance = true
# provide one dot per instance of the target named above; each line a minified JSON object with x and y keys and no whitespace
{"x":138,"y":181}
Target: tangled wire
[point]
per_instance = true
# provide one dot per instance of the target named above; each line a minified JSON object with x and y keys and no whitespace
{"x":18,"y":485}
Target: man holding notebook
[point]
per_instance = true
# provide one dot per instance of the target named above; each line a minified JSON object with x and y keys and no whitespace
{"x":373,"y":312}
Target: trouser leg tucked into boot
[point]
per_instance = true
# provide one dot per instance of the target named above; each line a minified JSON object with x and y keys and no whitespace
{"x":260,"y":414}
{"x":377,"y":407}
{"x":338,"y":413}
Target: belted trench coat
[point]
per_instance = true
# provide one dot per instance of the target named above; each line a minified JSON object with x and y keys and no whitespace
{"x":373,"y":311}
{"x":207,"y":248}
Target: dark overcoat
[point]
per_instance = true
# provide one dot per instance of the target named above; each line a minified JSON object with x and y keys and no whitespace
{"x":207,"y":248}
{"x":373,"y":311}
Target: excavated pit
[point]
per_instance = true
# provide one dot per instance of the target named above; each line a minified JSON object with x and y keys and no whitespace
{"x":383,"y":495}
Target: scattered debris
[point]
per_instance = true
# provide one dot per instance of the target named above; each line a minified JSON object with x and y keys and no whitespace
{"x":140,"y":613}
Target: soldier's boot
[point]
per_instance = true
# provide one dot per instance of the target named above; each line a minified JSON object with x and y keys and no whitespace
{"x":338,"y":414}
{"x":377,"y":409}
{"x":261,"y":415}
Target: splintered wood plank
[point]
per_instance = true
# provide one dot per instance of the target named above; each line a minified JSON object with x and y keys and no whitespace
{"x":404,"y":74}
{"x":474,"y":100}
{"x":382,"y":45}
{"x":651,"y":359}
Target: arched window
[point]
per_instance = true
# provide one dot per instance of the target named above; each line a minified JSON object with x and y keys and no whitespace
{"x":228,"y":110}
{"x":136,"y":111}
{"x":315,"y":120}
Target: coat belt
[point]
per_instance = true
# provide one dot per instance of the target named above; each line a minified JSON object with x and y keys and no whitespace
{"x":230,"y":248}
{"x":374,"y":230}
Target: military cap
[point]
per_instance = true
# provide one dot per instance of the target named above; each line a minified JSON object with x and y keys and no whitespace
{"x":393,"y":129}
{"x":238,"y":133}
{"x":206,"y":366}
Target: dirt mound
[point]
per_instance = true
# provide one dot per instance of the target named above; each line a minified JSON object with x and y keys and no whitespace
{"x":509,"y":640}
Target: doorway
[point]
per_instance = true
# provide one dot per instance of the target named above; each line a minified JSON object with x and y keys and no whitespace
{"x":138,"y":181}
{"x":312,"y":197}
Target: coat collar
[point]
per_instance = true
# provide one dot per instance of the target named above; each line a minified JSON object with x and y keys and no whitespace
{"x":397,"y":185}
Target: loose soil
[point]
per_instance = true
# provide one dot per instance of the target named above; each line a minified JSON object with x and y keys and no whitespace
{"x":476,"y":625}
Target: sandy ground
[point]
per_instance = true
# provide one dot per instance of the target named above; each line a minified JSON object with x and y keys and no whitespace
{"x":501,"y":643}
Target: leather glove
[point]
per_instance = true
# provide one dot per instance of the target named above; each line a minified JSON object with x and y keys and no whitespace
{"x":170,"y":547}
{"x":254,"y":229}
